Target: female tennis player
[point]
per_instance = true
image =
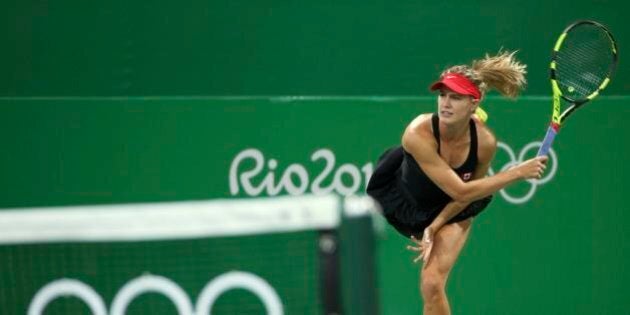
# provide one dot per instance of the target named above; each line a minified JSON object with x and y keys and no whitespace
{"x":434,"y":183}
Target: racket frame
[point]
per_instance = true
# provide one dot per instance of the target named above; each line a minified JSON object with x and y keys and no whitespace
{"x":558,"y":117}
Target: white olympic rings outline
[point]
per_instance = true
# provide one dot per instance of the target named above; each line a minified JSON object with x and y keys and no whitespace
{"x":553,"y":161}
{"x":158,"y":284}
{"x":67,"y":287}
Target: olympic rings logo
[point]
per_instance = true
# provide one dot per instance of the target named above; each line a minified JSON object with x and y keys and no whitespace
{"x":522,"y":156}
{"x":158,"y":284}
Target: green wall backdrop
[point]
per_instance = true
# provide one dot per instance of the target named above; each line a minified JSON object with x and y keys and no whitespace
{"x":279,"y":47}
{"x":147,"y":102}
{"x":561,"y":249}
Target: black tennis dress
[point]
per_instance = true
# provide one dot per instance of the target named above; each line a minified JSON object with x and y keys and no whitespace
{"x":409,"y":199}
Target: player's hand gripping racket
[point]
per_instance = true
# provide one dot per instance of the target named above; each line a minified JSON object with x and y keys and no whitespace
{"x":584,"y":59}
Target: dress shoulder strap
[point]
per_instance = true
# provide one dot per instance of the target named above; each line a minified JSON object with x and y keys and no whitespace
{"x":473,"y":139}
{"x":435,"y":120}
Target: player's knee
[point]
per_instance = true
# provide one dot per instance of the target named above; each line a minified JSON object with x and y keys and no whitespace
{"x":432,"y":285}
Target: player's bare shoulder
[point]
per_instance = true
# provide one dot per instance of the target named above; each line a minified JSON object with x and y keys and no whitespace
{"x":418,"y":136}
{"x":487,"y":141}
{"x":420,"y":124}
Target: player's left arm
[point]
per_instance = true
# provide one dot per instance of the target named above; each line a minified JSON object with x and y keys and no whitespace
{"x":487,"y":146}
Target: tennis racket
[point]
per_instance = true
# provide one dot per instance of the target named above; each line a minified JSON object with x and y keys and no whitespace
{"x":583,"y":62}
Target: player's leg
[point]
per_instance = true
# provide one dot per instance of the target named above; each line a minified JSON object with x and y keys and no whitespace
{"x":448,"y":243}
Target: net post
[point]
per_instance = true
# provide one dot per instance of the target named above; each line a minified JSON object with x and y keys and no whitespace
{"x":358,"y":251}
{"x":330,"y":271}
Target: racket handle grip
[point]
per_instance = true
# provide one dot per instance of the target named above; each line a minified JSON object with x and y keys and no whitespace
{"x":546,"y":145}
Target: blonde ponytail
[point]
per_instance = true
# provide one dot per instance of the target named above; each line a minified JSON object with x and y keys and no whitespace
{"x":501,"y":72}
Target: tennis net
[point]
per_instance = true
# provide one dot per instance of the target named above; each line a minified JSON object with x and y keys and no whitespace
{"x":285,"y":255}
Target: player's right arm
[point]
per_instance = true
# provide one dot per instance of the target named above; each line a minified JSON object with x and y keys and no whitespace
{"x":419,"y":142}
